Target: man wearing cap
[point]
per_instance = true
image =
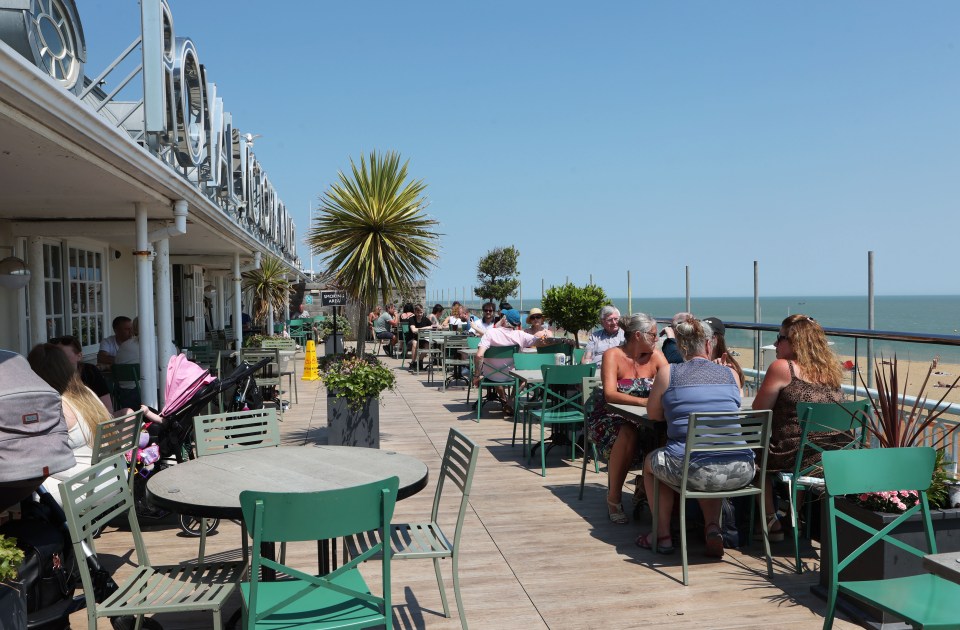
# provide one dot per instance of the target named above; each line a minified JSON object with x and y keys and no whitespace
{"x":535,"y":322}
{"x":507,"y":333}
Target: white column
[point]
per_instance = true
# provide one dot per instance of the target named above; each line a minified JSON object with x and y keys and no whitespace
{"x":38,"y":302}
{"x":148,"y":342}
{"x":269,"y":330}
{"x":237,"y":305}
{"x":164,"y":310}
{"x":220,"y":303}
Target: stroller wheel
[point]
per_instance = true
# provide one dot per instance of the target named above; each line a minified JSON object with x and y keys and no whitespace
{"x":190,"y":525}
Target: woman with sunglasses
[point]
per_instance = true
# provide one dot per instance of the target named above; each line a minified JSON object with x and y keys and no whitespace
{"x":806,"y":370}
{"x":89,"y":374}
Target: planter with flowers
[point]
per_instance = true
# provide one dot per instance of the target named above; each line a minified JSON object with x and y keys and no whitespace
{"x":13,"y":601}
{"x":354,"y":386}
{"x":896,"y":423}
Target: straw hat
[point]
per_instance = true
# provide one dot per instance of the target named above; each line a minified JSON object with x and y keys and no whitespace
{"x":533,"y":311}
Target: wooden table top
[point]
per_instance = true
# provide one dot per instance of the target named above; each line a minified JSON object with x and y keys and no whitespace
{"x":946,"y":565}
{"x":210,"y":486}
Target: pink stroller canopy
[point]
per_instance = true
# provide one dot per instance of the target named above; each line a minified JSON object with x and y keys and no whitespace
{"x":184,"y":379}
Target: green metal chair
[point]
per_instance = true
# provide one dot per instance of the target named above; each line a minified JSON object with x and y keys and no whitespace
{"x":269,"y":375}
{"x":473,"y":342}
{"x":815,"y":417}
{"x":925,"y":600}
{"x":432,"y":352}
{"x":453,"y":361}
{"x":495,"y":352}
{"x":102,"y":492}
{"x":292,"y":374}
{"x":404,"y":335}
{"x":299,"y":329}
{"x":123,"y":397}
{"x":561,"y":403}
{"x":721,"y":431}
{"x":526,"y":395}
{"x":590,"y":383}
{"x":558,"y":348}
{"x":578,"y":355}
{"x":340,"y":599}
{"x":415,"y":541}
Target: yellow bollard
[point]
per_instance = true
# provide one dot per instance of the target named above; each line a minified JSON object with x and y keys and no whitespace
{"x":310,"y":363}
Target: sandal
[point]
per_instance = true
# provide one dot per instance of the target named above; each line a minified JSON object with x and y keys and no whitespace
{"x":664,"y":543}
{"x":776,"y":535}
{"x":639,"y":498}
{"x":617,"y":516}
{"x":714,"y":540}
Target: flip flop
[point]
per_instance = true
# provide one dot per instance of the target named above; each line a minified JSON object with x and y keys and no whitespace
{"x":714,"y":540}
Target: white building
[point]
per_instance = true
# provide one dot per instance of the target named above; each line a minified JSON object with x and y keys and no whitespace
{"x":131,"y":205}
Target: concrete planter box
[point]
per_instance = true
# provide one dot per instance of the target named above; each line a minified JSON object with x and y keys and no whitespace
{"x":883,"y":561}
{"x":347,"y":427}
{"x":328,"y":345}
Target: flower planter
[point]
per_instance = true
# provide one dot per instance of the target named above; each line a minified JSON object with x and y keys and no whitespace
{"x":328,"y":345}
{"x":13,"y":606}
{"x":883,"y":561}
{"x":348,"y":427}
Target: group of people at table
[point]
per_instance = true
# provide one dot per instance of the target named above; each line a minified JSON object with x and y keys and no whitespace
{"x":682,"y":369}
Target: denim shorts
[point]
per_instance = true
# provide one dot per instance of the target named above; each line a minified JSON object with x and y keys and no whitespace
{"x":725,"y":472}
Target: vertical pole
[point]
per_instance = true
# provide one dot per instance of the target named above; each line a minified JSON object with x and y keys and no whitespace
{"x":629,"y":295}
{"x":164,"y":311}
{"x":870,"y":321}
{"x":688,"y":287}
{"x":269,"y":330}
{"x":541,"y":291}
{"x":520,"y":288}
{"x":591,"y":278}
{"x":335,"y":329}
{"x":38,"y":302}
{"x":237,"y":304}
{"x":221,"y":302}
{"x":147,"y":334}
{"x":310,"y":222}
{"x":757,"y":352}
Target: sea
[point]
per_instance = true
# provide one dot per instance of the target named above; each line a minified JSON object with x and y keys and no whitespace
{"x":931,"y":314}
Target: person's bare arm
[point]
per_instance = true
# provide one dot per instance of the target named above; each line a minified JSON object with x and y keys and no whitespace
{"x":777,"y":377}
{"x":104,"y":359}
{"x":660,"y":384}
{"x":477,"y":364}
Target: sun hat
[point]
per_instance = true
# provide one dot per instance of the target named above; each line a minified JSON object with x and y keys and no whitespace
{"x":715,"y":325}
{"x":513,"y":316}
{"x":533,"y":311}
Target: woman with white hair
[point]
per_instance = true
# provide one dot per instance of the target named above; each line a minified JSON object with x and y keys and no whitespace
{"x":627,"y":373}
{"x":609,"y":335}
{"x":697,"y":384}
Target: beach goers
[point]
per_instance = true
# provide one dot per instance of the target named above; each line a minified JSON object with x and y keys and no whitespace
{"x":608,"y":336}
{"x":535,"y":322}
{"x":89,"y":374}
{"x":806,"y":370}
{"x":697,"y":385}
{"x":627,"y":373}
{"x":122,"y":330}
{"x":383,"y":328}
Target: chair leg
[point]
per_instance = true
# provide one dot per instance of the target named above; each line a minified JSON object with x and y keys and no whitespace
{"x":456,"y":590}
{"x":443,"y":591}
{"x":683,"y":537}
{"x":794,"y":522}
{"x":543,"y":451}
{"x":583,"y":470}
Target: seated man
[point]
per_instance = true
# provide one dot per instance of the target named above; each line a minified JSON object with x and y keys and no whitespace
{"x":383,"y":328}
{"x":122,"y":330}
{"x":610,"y":335}
{"x":508,"y":333}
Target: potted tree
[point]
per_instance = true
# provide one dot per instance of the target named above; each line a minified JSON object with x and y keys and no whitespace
{"x":269,"y":287}
{"x":896,"y":423}
{"x":354,"y":385}
{"x":13,"y":602}
{"x":573,"y":308}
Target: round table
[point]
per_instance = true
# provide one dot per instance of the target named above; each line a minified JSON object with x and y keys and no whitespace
{"x":210,"y":486}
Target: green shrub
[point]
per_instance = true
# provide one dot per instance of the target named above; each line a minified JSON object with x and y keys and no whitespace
{"x":10,"y":558}
{"x":355,"y":378}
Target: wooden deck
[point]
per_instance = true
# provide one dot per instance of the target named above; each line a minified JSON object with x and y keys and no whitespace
{"x":533,"y":555}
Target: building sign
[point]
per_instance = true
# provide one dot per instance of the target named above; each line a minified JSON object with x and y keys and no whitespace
{"x":333,"y":298}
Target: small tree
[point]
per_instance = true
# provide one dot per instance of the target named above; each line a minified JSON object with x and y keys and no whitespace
{"x":574,"y":308}
{"x":269,"y":286}
{"x":497,"y":273}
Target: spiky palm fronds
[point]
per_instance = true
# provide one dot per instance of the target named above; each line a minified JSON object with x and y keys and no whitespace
{"x":268,"y":285}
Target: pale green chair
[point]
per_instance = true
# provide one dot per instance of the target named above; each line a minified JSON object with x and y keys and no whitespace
{"x":849,"y":417}
{"x":561,"y":404}
{"x":494,"y":352}
{"x":526,"y":395}
{"x":340,"y":599}
{"x":416,"y":541}
{"x":123,"y":396}
{"x":453,"y":361}
{"x":717,"y":432}
{"x":925,"y":600}
{"x":590,"y":384}
{"x":102,"y":492}
{"x":270,"y":374}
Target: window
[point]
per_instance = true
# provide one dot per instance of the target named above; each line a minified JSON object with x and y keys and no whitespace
{"x":85,"y":270}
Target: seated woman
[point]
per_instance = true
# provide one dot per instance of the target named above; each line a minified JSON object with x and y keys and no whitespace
{"x":82,"y":410}
{"x":806,"y":370}
{"x":535,"y":322}
{"x":89,"y":374}
{"x":627,"y":373}
{"x":453,"y":319}
{"x":436,"y":314}
{"x":418,"y":322}
{"x":697,"y":384}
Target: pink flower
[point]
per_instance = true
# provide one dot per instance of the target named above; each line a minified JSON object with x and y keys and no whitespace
{"x":864,"y":497}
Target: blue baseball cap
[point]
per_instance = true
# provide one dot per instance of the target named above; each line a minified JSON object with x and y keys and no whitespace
{"x":513,"y":316}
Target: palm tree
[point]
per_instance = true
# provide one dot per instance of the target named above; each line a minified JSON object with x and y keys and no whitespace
{"x":269,"y":287}
{"x":372,"y":234}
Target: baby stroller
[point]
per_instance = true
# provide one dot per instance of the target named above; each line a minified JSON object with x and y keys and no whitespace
{"x":189,"y":389}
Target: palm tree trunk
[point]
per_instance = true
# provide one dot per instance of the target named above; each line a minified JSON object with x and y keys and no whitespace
{"x":361,"y":328}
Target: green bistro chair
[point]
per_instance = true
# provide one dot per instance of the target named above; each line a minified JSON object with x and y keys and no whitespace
{"x":561,"y":403}
{"x":340,"y":599}
{"x":100,"y":493}
{"x":849,"y":417}
{"x":299,"y":330}
{"x":495,"y":352}
{"x":578,"y":355}
{"x":433,"y":352}
{"x":590,"y":383}
{"x":123,"y":396}
{"x":558,"y":348}
{"x":473,"y":342}
{"x":404,"y":335}
{"x":414,"y":541}
{"x":526,"y":395}
{"x":925,"y":600}
{"x":452,"y":361}
{"x":721,"y":431}
{"x":269,"y":376}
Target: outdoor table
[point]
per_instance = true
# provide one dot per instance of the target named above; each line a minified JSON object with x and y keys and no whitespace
{"x":210,"y":486}
{"x":946,"y":565}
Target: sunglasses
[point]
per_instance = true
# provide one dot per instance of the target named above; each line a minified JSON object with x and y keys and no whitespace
{"x":780,"y":338}
{"x":487,"y":310}
{"x":536,"y":317}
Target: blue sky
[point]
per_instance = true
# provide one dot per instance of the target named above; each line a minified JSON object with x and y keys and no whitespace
{"x":602,"y":137}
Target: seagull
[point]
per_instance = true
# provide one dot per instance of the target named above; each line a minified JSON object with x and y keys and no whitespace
{"x":251,"y":136}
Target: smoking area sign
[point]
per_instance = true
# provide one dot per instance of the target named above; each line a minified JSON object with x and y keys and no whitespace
{"x":333,"y":298}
